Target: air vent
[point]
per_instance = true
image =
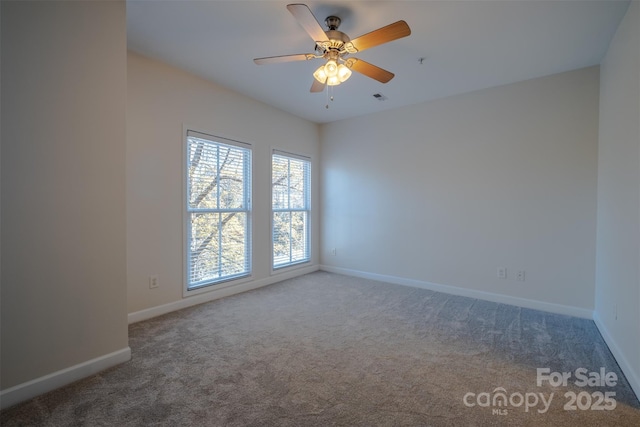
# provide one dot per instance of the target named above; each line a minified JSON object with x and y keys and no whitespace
{"x":380,"y":97}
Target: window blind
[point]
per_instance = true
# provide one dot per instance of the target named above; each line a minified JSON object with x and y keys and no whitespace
{"x":291,"y":208}
{"x":218,"y":206}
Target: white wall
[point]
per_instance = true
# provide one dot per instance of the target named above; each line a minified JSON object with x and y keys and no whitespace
{"x":618,"y":241}
{"x":445,"y":192}
{"x":63,"y":188}
{"x":160,"y":100}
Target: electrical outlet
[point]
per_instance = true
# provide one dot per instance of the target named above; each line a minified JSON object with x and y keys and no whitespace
{"x":153,"y":282}
{"x":615,"y":311}
{"x":502,"y":272}
{"x":520,"y":276}
{"x":333,"y":251}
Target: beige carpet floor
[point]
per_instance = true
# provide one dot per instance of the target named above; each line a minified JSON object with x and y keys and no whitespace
{"x":325,"y":349}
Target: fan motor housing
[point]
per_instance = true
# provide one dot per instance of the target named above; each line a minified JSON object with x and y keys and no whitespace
{"x":337,"y":39}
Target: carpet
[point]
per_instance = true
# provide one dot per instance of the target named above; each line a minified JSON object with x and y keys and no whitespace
{"x":325,"y":349}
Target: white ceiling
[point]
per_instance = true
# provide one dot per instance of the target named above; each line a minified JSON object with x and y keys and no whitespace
{"x":466,"y":46}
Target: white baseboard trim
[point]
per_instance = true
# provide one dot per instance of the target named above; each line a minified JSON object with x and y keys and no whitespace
{"x":215,"y":294}
{"x":471,"y":293}
{"x":38,"y":386}
{"x":627,"y":368}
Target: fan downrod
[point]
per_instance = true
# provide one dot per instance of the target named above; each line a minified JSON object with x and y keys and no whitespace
{"x":332,"y":22}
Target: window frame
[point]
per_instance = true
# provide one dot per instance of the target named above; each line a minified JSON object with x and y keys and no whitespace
{"x":309,"y":210}
{"x":230,"y":280}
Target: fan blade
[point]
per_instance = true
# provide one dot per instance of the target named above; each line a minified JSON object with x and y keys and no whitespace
{"x":316,"y":86}
{"x":369,"y":70}
{"x":309,"y":22}
{"x":284,"y":58}
{"x":391,"y":32}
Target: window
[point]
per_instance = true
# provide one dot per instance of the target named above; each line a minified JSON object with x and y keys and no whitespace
{"x":291,"y":208}
{"x":218,"y":210}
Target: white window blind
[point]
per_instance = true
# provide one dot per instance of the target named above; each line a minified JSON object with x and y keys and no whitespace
{"x":291,"y":208}
{"x":218,"y":210}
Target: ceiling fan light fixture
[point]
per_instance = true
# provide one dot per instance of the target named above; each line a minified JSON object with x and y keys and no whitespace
{"x":333,"y":81}
{"x":343,"y":73}
{"x":331,"y":68}
{"x":332,"y":73}
{"x":320,"y":75}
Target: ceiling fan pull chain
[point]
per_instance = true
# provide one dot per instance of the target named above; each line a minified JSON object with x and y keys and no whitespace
{"x":329,"y":96}
{"x":327,"y":92}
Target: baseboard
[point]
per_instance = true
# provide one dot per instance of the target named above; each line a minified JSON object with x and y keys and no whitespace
{"x":627,"y":368}
{"x":471,"y":293}
{"x":215,"y":294}
{"x":38,"y":386}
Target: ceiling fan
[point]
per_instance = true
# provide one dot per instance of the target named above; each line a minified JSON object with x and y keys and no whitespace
{"x":334,"y":46}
